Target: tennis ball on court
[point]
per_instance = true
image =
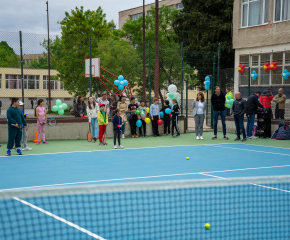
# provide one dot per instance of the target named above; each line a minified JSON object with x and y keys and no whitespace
{"x":207,"y":226}
{"x":187,"y":158}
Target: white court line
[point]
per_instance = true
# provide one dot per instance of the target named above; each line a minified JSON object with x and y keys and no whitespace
{"x":253,"y":151}
{"x":114,"y":150}
{"x":60,"y":219}
{"x":258,"y":185}
{"x":146,"y":177}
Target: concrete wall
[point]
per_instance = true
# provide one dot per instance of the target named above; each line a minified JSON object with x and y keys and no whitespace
{"x":76,"y":130}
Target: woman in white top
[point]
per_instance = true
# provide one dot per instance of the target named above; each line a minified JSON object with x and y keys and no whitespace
{"x":199,"y":108}
{"x":92,"y":111}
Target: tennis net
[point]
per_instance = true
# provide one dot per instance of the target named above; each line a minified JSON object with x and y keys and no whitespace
{"x":237,"y":208}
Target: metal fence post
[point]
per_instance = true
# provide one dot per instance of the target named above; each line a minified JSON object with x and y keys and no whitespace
{"x":186,"y":103}
{"x":90,"y":66}
{"x":218,"y":67}
{"x":212,"y":89}
{"x":249,"y":81}
{"x":149,"y":75}
{"x":22,"y":81}
{"x":181,"y":79}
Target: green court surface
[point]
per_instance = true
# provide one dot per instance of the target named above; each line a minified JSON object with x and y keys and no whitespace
{"x":57,"y":146}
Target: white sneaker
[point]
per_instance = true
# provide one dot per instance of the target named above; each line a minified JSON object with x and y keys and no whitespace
{"x":120,"y":146}
{"x":123,"y":136}
{"x":115,"y":147}
{"x":197,"y":137}
{"x":26,"y":148}
{"x":201,"y":138}
{"x":252,"y":137}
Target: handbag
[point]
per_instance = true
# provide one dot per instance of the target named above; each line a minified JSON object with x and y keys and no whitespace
{"x":89,"y":136}
{"x":72,"y":112}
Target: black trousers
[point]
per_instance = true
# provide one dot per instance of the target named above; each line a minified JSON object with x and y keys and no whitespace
{"x":143,"y":126}
{"x":279,"y":113}
{"x":175,"y":124}
{"x":166,"y":123}
{"x":267,"y":122}
{"x":133,"y":126}
{"x":117,"y":133}
{"x":14,"y":135}
{"x":155,"y":125}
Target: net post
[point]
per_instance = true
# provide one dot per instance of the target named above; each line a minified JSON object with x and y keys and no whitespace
{"x":22,"y":81}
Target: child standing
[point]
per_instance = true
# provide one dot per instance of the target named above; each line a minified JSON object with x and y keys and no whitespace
{"x":40,"y":113}
{"x":117,"y":123}
{"x":175,"y":113}
{"x":24,"y":133}
{"x":143,"y":111}
{"x":154,"y":112}
{"x":92,"y":111}
{"x":103,"y":122}
{"x":166,"y":117}
{"x":132,"y":108}
{"x":123,"y":106}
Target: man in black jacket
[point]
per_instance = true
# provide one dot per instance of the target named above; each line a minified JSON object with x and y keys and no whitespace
{"x":252,"y":106}
{"x":238,"y":111}
{"x":218,"y":100}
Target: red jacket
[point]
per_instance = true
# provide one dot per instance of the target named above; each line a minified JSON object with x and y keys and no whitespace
{"x":266,"y":99}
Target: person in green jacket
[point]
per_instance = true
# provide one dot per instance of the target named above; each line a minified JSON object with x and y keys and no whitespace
{"x":229,"y":92}
{"x":15,"y":120}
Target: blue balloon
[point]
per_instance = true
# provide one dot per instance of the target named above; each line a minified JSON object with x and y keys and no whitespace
{"x":125,"y":82}
{"x":139,"y":123}
{"x":120,"y":78}
{"x":207,"y":79}
{"x":117,"y":82}
{"x":121,"y":87}
{"x":161,"y":114}
{"x":167,"y":110}
{"x":285,"y":74}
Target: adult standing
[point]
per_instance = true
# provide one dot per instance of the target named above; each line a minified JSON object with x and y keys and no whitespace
{"x":280,"y":100}
{"x":229,"y":92}
{"x":103,"y":100}
{"x":251,"y":110}
{"x":31,"y":102}
{"x":238,"y":111}
{"x":113,"y":104}
{"x":218,"y":100}
{"x":92,"y":111}
{"x":15,"y":120}
{"x":123,"y":106}
{"x":199,"y":109}
{"x":80,"y":107}
{"x":265,"y":100}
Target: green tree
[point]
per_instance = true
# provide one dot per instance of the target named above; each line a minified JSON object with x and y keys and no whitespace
{"x":8,"y":57}
{"x":41,"y":63}
{"x":169,"y":50}
{"x":68,"y":52}
{"x":203,"y":24}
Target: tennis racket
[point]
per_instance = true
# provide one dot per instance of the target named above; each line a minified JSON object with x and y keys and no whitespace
{"x":104,"y":140}
{"x":52,"y":122}
{"x":89,"y":136}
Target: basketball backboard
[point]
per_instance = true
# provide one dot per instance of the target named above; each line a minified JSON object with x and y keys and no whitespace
{"x":95,"y":67}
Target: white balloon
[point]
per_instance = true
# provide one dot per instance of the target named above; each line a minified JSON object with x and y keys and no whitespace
{"x":227,"y":101}
{"x":172,"y":88}
{"x":122,"y":82}
{"x":60,"y":107}
{"x":176,"y":94}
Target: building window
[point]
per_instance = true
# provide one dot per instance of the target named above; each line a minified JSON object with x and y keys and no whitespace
{"x":136,"y":16}
{"x":14,"y":82}
{"x":255,"y":12}
{"x":53,"y":83}
{"x":179,"y":6}
{"x":282,"y":10}
{"x":61,"y":85}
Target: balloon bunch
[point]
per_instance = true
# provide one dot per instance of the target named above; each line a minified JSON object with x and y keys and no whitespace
{"x":241,"y":68}
{"x":229,"y":101}
{"x":172,"y":94}
{"x":59,"y":107}
{"x":254,"y":75}
{"x":207,"y":82}
{"x":121,"y":82}
{"x":285,"y":74}
{"x":268,"y":66}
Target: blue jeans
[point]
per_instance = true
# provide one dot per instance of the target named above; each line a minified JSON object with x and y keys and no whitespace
{"x":95,"y":127}
{"x":250,"y":125}
{"x":239,"y":122}
{"x":123,"y":128}
{"x":223,"y":117}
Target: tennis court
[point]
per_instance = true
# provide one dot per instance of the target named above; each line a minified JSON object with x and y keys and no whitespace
{"x":148,"y":190}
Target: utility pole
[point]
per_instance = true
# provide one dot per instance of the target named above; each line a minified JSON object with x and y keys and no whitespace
{"x":48,"y":53}
{"x":144,"y":69}
{"x":156,"y":80}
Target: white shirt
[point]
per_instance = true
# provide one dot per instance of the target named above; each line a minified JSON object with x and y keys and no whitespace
{"x":92,"y":113}
{"x":200,"y":108}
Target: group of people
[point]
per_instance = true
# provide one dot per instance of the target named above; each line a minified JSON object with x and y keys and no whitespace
{"x":239,"y":108}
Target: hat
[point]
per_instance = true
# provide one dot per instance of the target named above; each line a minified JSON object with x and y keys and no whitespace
{"x":21,"y":103}
{"x":102,"y":104}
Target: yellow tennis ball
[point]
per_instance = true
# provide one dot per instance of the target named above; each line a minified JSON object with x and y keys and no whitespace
{"x":207,"y":226}
{"x":187,"y":158}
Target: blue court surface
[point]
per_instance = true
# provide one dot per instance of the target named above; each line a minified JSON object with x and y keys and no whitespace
{"x":250,"y":211}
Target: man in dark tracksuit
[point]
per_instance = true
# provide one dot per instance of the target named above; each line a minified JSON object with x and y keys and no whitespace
{"x":218,"y":100}
{"x":166,"y":117}
{"x":15,"y":119}
{"x":239,"y":109}
{"x":175,"y":113}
